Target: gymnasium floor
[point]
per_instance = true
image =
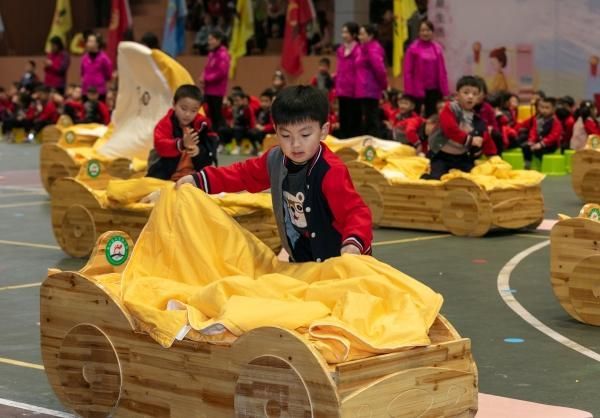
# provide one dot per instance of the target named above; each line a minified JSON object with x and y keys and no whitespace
{"x":465,"y":271}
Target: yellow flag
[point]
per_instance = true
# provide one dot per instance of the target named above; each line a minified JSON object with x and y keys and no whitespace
{"x":243,"y":29}
{"x":403,"y":10}
{"x":61,"y":22}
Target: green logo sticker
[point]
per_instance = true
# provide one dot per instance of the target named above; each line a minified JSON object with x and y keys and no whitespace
{"x":117,"y":250}
{"x":93,"y":168}
{"x":595,"y":142}
{"x":594,"y":214}
{"x":69,"y":137}
{"x":369,"y":153}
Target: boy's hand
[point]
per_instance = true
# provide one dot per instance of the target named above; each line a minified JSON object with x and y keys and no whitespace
{"x":260,"y":127}
{"x":193,"y":151}
{"x":536,"y":147}
{"x":185,"y":180}
{"x":190,"y":138}
{"x":350,"y":249}
{"x":477,"y":141}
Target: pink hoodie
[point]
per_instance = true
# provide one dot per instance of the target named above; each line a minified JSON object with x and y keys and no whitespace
{"x":424,"y":69}
{"x":95,"y":72}
{"x":345,"y":77}
{"x":371,"y":75}
{"x":216,"y":72}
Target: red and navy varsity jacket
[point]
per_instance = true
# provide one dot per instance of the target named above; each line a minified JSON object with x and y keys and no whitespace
{"x":551,"y":132}
{"x":336,"y":215}
{"x":450,"y":128}
{"x":168,"y":145}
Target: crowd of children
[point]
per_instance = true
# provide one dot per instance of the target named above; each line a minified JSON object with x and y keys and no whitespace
{"x":31,"y":105}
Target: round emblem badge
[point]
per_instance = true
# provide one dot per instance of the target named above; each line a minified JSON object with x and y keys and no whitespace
{"x":70,"y":137}
{"x":117,"y":250}
{"x":369,"y":153}
{"x":594,"y":214}
{"x":93,"y":168}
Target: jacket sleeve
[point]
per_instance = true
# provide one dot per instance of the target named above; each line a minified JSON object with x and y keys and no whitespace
{"x":251,"y":175}
{"x":450,"y":128}
{"x":532,"y":138}
{"x":164,"y":143}
{"x":590,"y":127}
{"x":489,"y":146}
{"x":411,"y":130}
{"x":407,"y":70}
{"x":377,"y":62}
{"x":104,"y":113}
{"x":443,"y":73}
{"x":351,"y":216}
{"x":553,"y":138}
{"x":47,"y":114}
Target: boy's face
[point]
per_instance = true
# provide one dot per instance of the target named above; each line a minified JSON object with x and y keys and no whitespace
{"x":28,"y":68}
{"x":545,"y":109}
{"x":76,"y":93}
{"x":323,"y":68}
{"x":186,"y":110}
{"x":300,"y":141}
{"x":513,"y":102}
{"x":265,"y":102}
{"x":467,"y":97}
{"x":93,"y":96}
{"x":238,"y":101}
{"x":405,"y":105}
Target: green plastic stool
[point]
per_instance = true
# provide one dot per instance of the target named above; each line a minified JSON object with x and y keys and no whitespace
{"x":554,"y":165}
{"x":514,"y":158}
{"x":569,"y":160}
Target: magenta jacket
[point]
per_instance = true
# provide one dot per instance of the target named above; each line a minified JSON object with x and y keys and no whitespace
{"x":55,"y":75}
{"x":417,"y":75}
{"x":95,"y":72}
{"x":345,"y":76}
{"x":371,"y":75}
{"x":216,"y":72}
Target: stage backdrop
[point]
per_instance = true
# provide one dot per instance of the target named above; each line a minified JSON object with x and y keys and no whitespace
{"x":553,"y":45}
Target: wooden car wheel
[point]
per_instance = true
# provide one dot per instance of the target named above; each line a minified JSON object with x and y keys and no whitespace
{"x":269,"y":387}
{"x":584,"y":290}
{"x":78,"y":231}
{"x":461,"y":214}
{"x":89,"y":371}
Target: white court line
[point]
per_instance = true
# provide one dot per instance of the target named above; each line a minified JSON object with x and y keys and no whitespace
{"x":37,"y":409}
{"x":505,"y":293}
{"x":26,"y":189}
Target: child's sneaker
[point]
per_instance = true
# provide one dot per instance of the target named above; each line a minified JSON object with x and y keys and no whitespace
{"x":235,"y":150}
{"x":30,"y":138}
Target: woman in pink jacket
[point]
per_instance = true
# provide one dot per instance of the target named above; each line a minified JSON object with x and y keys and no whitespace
{"x":214,"y":78}
{"x":371,"y":79}
{"x":345,"y":81}
{"x":96,"y":67}
{"x":425,"y":75}
{"x":57,"y":64}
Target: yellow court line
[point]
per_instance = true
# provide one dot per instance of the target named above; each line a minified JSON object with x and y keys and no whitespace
{"x":405,"y":240}
{"x":20,"y":286}
{"x":30,"y":244}
{"x":21,"y":363}
{"x":16,"y":205}
{"x":22,"y":194}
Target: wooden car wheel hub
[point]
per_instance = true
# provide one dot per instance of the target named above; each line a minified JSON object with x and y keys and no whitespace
{"x":89,"y":371}
{"x":78,"y":231}
{"x":269,"y":387}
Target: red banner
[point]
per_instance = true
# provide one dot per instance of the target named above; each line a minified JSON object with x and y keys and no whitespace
{"x":299,"y":14}
{"x":120,"y":22}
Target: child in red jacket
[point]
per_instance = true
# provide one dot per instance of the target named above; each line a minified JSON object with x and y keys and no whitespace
{"x":183,"y":141}
{"x":40,"y":113}
{"x":564,"y":113}
{"x":95,"y":110}
{"x":73,"y":106}
{"x":463,"y":136}
{"x":243,"y":123}
{"x":319,"y":214}
{"x":264,"y":124}
{"x":545,"y":133}
{"x":406,"y":121}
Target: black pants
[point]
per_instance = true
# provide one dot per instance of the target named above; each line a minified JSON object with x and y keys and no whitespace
{"x":442,"y":162}
{"x":28,"y":125}
{"x":429,"y":102}
{"x":215,"y":113}
{"x":350,"y":117}
{"x":371,"y":122}
{"x":528,"y":153}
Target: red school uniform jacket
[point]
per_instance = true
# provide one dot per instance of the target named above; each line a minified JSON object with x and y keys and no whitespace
{"x":336,"y":214}
{"x":451,"y":130}
{"x":77,"y":109}
{"x":591,"y":127}
{"x":49,"y":113}
{"x":551,"y":132}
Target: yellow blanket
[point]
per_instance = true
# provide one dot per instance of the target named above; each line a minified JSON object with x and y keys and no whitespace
{"x":193,"y":268}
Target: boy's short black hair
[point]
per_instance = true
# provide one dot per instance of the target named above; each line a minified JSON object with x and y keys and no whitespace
{"x":325,"y":61}
{"x":270,"y":93}
{"x":239,"y":93}
{"x":187,"y":91}
{"x":150,"y":40}
{"x":568,"y":100}
{"x":550,"y":100}
{"x":468,"y":81}
{"x":300,"y":103}
{"x":407,"y":97}
{"x":40,"y":88}
{"x":92,"y":90}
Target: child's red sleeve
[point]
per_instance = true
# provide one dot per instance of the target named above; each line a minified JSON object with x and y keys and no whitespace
{"x":351,"y":216}
{"x":251,"y":175}
{"x":591,"y":128}
{"x":488,"y":146}
{"x":555,"y":134}
{"x":164,"y":143}
{"x":449,"y":126}
{"x":104,"y":113}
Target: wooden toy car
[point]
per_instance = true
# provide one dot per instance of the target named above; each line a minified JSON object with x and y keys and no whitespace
{"x":586,"y":171}
{"x":100,"y":364}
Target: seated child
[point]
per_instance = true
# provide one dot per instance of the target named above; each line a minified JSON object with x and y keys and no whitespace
{"x":29,"y":80}
{"x":406,"y":120}
{"x":73,"y":106}
{"x":243,"y":122}
{"x":463,"y":136}
{"x":567,"y":120}
{"x":95,"y":111}
{"x":487,"y":113}
{"x":506,"y":116}
{"x":39,"y":113}
{"x":417,"y":134}
{"x":319,"y":213}
{"x":545,"y":132}
{"x":323,"y":80}
{"x":264,"y":125}
{"x":183,"y":140}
